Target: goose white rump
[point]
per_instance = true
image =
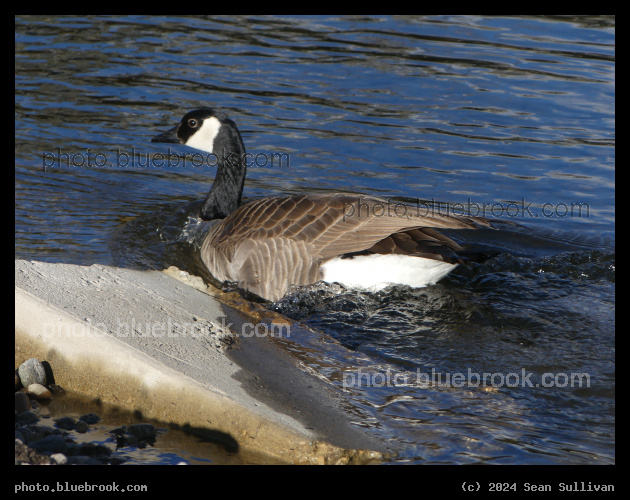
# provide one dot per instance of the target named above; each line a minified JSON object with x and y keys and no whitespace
{"x":375,"y":272}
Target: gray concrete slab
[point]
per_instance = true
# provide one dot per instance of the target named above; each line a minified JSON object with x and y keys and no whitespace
{"x":152,"y":343}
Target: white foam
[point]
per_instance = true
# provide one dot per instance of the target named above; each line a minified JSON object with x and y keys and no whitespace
{"x":376,"y":271}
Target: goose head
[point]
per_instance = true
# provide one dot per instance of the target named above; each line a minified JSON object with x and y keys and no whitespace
{"x":213,"y":132}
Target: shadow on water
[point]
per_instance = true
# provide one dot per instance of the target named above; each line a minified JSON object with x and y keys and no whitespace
{"x":173,"y":444}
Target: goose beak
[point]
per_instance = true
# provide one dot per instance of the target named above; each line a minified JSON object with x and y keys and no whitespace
{"x":168,"y":136}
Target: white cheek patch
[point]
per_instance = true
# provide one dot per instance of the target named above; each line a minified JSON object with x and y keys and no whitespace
{"x":203,"y":139}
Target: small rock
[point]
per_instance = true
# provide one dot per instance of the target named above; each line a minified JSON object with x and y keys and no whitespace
{"x":59,"y":458}
{"x":24,"y":434}
{"x":142,"y":431}
{"x":44,"y":429}
{"x":28,"y":417}
{"x":22,"y":403}
{"x":32,"y":372}
{"x":93,"y":450}
{"x":90,"y":418}
{"x":67,"y":423}
{"x":38,"y":391}
{"x":81,"y":427}
{"x":51,"y":444}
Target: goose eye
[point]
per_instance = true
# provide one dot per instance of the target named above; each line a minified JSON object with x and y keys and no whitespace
{"x":192,"y":123}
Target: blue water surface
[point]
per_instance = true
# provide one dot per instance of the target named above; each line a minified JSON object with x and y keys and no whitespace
{"x":511,"y":117}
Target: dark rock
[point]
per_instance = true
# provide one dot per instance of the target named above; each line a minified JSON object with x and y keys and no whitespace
{"x":142,"y":431}
{"x":50,"y":444}
{"x":90,"y":418}
{"x":93,"y":449}
{"x":81,"y":427}
{"x":28,"y":417}
{"x":22,"y":403}
{"x":67,"y":423}
{"x":44,"y":429}
{"x":26,"y":434}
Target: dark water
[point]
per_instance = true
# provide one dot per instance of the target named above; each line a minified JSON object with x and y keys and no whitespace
{"x":514,"y":116}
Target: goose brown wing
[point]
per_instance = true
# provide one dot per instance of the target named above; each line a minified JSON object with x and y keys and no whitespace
{"x":334,"y":223}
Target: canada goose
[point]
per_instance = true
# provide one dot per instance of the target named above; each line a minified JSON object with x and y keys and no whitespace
{"x":268,"y":244}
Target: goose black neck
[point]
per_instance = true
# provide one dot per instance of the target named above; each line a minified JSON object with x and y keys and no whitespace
{"x":225,"y":195}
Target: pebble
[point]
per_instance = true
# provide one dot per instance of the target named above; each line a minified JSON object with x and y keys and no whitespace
{"x":142,"y":431}
{"x":90,"y":418}
{"x":93,"y":450}
{"x":67,"y":423}
{"x":59,"y":458}
{"x":51,"y":444}
{"x":28,"y":417}
{"x":81,"y":427}
{"x":38,"y":391}
{"x":29,"y":434}
{"x":22,"y":403}
{"x":23,"y":434}
{"x":32,"y":372}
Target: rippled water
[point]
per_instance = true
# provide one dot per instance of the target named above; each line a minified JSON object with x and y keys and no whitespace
{"x":512,"y":114}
